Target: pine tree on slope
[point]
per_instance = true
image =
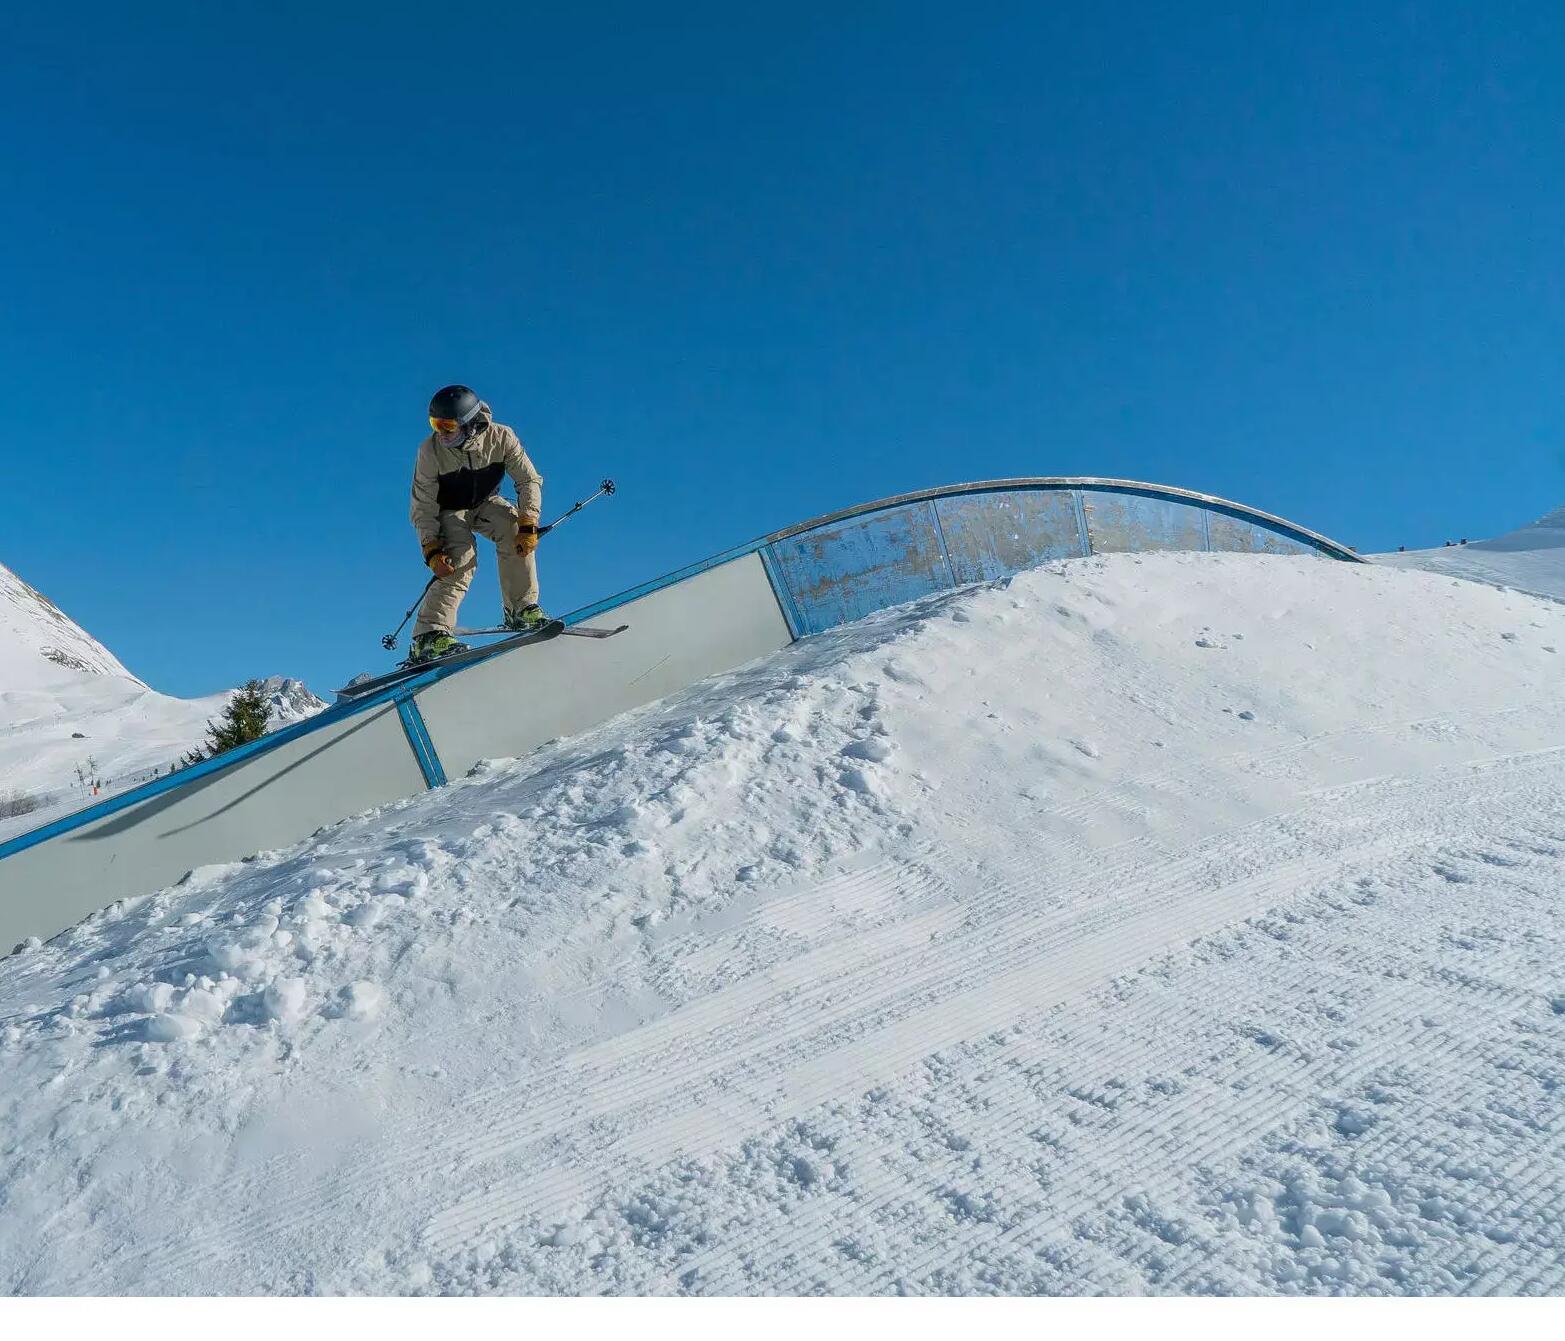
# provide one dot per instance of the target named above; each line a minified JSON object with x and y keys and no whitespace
{"x":244,"y":719}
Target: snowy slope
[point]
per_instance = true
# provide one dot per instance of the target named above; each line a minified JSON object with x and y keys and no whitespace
{"x":1168,"y":923}
{"x":42,"y":644}
{"x":1529,"y":559}
{"x":69,"y":710}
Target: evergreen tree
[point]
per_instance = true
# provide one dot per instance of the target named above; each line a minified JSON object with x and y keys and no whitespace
{"x":243,"y":720}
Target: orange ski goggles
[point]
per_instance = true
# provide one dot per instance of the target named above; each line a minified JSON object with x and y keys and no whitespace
{"x":446,"y":426}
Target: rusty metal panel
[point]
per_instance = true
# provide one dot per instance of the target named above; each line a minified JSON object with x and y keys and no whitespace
{"x":1131,"y":523}
{"x":992,"y":535}
{"x":1244,"y":536}
{"x":846,"y":570}
{"x":1086,"y":484}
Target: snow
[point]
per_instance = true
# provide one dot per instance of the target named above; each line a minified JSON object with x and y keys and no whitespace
{"x":1166,"y":923}
{"x":289,"y":701}
{"x":73,"y":717}
{"x":1531,"y":558}
{"x":43,"y":645}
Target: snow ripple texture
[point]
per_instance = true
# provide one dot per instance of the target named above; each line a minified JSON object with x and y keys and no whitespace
{"x":1175,"y":923}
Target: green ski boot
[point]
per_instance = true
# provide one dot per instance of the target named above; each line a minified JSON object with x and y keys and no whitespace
{"x":526,"y":619}
{"x":433,"y":645}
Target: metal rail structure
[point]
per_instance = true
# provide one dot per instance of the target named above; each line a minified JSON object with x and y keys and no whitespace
{"x":702,"y":620}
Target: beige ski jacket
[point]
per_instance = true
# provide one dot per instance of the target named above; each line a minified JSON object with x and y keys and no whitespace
{"x":454,"y":479}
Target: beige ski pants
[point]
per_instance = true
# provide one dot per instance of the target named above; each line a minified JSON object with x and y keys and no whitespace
{"x":495,"y":519}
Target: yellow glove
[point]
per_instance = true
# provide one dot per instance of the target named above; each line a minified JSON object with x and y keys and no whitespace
{"x":440,"y":563}
{"x":526,"y":537}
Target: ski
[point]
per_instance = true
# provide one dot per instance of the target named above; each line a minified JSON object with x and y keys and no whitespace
{"x":574,"y":631}
{"x":406,"y":671}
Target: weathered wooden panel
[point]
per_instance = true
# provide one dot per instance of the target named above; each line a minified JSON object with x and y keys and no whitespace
{"x":849,"y":569}
{"x":1251,"y":537}
{"x":994,"y":535}
{"x":1127,"y":523}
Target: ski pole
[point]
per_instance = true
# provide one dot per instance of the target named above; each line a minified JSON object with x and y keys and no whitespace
{"x":389,"y":640}
{"x":607,"y":487}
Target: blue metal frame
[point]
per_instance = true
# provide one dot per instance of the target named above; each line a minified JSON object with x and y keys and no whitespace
{"x":404,"y":691}
{"x":940,"y":531}
{"x":1076,"y":483}
{"x":783,"y":593}
{"x":635,"y":593}
{"x":1089,"y":484}
{"x":228,"y":759}
{"x":1079,"y":506}
{"x":418,"y":737}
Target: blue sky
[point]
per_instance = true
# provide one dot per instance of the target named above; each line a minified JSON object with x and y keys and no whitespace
{"x":757,"y":262}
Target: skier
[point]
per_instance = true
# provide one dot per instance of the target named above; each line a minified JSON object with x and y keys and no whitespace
{"x":456,"y":481}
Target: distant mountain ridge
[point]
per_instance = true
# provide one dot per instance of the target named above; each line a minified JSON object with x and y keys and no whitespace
{"x":289,"y":701}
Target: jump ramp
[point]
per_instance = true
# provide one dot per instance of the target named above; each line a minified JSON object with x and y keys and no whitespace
{"x":702,"y":620}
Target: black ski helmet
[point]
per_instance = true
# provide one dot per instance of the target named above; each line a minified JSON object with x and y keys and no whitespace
{"x":454,"y":402}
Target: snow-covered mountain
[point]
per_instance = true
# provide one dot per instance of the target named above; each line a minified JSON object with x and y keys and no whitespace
{"x":290,"y":701}
{"x":1169,"y":923}
{"x":39,"y":641}
{"x":72,"y":715}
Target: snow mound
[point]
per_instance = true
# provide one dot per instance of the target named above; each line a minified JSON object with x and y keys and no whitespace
{"x":1177,"y":923}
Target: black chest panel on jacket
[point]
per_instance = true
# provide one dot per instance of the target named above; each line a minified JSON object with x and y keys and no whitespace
{"x":466,"y":488}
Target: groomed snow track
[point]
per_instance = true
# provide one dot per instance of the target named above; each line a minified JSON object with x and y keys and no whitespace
{"x":701,"y":620}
